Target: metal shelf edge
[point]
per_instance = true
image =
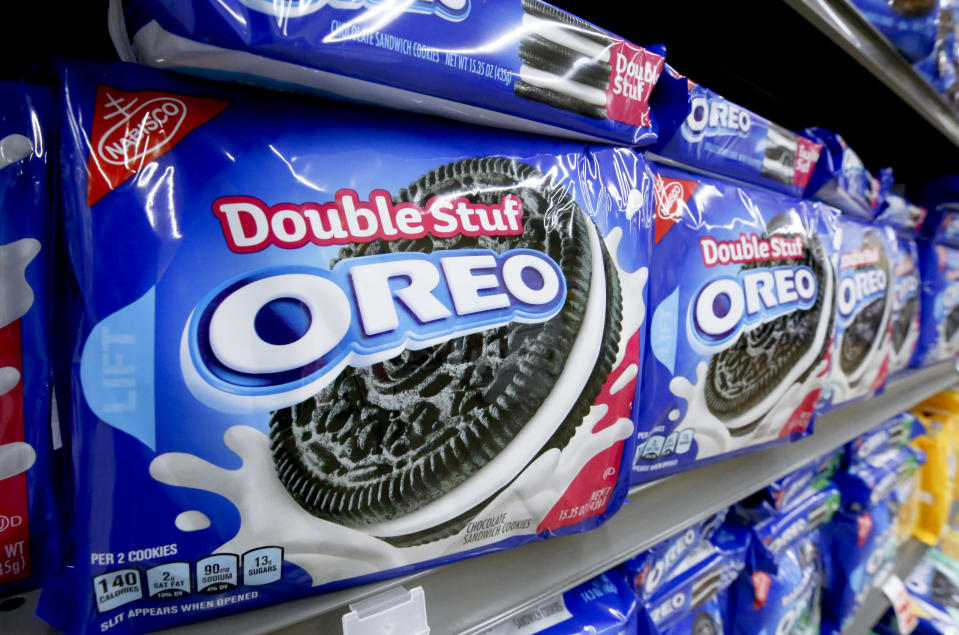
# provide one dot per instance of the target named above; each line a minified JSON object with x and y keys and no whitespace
{"x":475,"y":594}
{"x":847,"y":27}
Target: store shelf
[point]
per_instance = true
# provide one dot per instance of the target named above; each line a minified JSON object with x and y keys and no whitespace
{"x":876,"y":604}
{"x":475,"y":594}
{"x":848,"y":28}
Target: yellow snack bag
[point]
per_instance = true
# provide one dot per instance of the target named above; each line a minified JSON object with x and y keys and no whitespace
{"x":937,"y":477}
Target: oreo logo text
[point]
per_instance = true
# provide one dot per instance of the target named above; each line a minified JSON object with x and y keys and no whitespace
{"x":714,"y":117}
{"x":724,"y":306}
{"x":676,"y":551}
{"x":274,"y":336}
{"x":859,"y":288}
{"x":669,"y":606}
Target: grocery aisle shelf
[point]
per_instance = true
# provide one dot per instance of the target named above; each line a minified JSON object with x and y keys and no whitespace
{"x":876,"y":603}
{"x":472,"y":595}
{"x":848,"y":28}
{"x":469,"y":596}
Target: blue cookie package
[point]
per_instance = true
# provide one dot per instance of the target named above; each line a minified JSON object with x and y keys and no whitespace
{"x":934,"y":592}
{"x":690,"y":600}
{"x":604,"y":605}
{"x":858,"y":549}
{"x":910,"y":26}
{"x":783,"y":599}
{"x":702,"y":129}
{"x":892,"y":434}
{"x":864,"y":309}
{"x":29,"y":443}
{"x":650,"y":569}
{"x":906,"y":220}
{"x":840,"y":178}
{"x":939,"y":260}
{"x":742,"y":302}
{"x":781,"y":495}
{"x":521,"y":64}
{"x":289,"y":333}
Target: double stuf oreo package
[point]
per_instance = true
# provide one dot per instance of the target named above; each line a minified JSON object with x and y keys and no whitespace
{"x":518,"y":64}
{"x":741,"y":302}
{"x":865,"y":294}
{"x":332,"y":345}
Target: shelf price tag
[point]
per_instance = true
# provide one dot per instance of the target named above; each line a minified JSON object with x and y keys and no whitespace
{"x":895,"y":590}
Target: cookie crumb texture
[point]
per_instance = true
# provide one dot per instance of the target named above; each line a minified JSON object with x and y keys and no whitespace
{"x":382,"y":441}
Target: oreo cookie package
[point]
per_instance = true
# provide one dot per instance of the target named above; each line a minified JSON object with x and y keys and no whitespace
{"x":864,"y":309}
{"x":520,"y":64}
{"x":699,"y":128}
{"x":840,"y":178}
{"x":29,"y":544}
{"x":939,"y":311}
{"x":650,"y":569}
{"x":859,"y":550}
{"x":604,"y":605}
{"x":906,"y":219}
{"x":341,"y":346}
{"x":783,"y":599}
{"x":689,"y":600}
{"x":911,"y":25}
{"x":742,"y":301}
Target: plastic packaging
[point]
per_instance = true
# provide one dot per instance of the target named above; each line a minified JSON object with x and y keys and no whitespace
{"x":701,"y":129}
{"x":479,"y":296}
{"x":742,"y":302}
{"x":29,"y":534}
{"x":841,"y":179}
{"x":522,"y":64}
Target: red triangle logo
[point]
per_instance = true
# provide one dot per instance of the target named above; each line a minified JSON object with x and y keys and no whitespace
{"x":671,"y":196}
{"x":863,"y":528}
{"x":761,"y":584}
{"x":130,"y":129}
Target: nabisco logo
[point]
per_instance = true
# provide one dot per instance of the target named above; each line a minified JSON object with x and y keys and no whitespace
{"x":140,"y":129}
{"x":131,"y":129}
{"x":669,"y":199}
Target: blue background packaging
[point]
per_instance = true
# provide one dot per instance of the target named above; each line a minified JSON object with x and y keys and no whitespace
{"x":29,"y":511}
{"x":464,"y":59}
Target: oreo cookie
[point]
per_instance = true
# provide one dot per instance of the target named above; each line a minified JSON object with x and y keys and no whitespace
{"x":913,"y":8}
{"x":705,"y":624}
{"x":566,"y":61}
{"x":385,"y":440}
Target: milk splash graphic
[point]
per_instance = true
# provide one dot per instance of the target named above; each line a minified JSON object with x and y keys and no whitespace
{"x":16,"y":298}
{"x":328,"y":551}
{"x":713,"y":436}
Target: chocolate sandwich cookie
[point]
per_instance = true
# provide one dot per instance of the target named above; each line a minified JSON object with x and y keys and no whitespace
{"x":912,"y":8}
{"x":705,"y":587}
{"x":944,"y":591}
{"x":565,"y":61}
{"x":741,"y":376}
{"x":383,"y":441}
{"x":904,"y":319}
{"x":779,"y":160}
{"x":704,"y":624}
{"x":864,"y":329}
{"x":952,"y":322}
{"x":819,"y":515}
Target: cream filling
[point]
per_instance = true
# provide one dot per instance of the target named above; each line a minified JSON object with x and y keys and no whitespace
{"x":763,"y":407}
{"x":563,"y":85}
{"x":565,"y":35}
{"x":496,"y":474}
